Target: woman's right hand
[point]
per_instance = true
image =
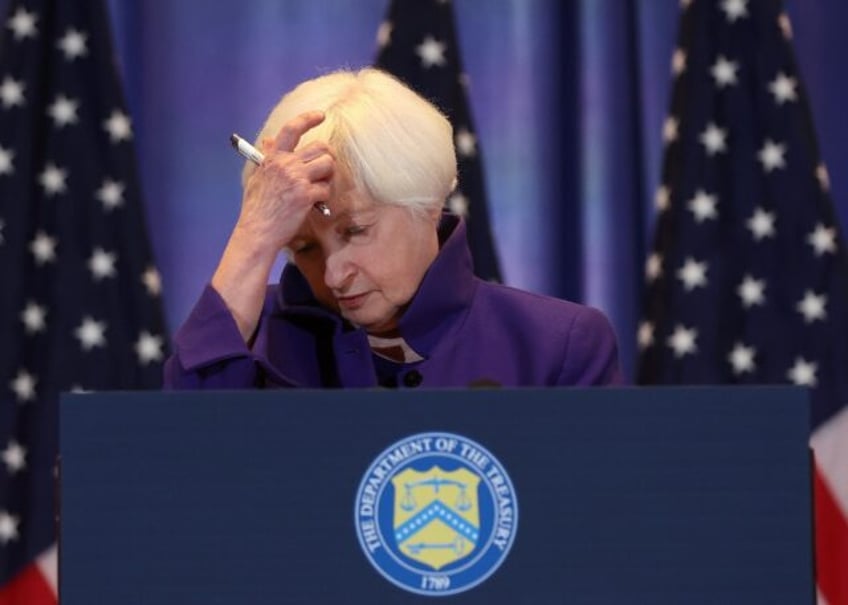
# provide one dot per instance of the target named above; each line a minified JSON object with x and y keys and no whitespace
{"x":278,"y":197}
{"x":281,"y":191}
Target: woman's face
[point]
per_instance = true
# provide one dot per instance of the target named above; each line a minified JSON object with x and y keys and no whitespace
{"x":367,"y":259}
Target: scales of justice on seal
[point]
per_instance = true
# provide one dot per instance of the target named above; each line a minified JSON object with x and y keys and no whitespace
{"x":630,"y":495}
{"x":430,"y":521}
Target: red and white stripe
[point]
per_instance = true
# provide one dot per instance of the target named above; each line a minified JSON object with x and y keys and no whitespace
{"x":830,"y":444}
{"x":37,"y":584}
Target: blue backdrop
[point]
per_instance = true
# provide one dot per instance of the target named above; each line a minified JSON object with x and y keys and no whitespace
{"x":568,"y":97}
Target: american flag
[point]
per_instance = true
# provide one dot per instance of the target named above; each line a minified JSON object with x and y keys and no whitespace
{"x":418,"y":44}
{"x":747,"y":281}
{"x":80,"y":302}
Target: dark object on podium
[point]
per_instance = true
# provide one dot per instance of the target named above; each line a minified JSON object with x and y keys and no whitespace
{"x":642,"y":495}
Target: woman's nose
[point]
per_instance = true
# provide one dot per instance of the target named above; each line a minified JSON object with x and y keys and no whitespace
{"x":338,"y":270}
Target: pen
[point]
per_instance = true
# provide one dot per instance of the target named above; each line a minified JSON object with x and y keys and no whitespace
{"x":251,"y":153}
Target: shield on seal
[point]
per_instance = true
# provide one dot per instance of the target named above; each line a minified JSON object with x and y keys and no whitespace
{"x":436,"y":515}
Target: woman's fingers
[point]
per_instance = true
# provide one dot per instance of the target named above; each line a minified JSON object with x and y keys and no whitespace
{"x":289,"y":135}
{"x":320,"y":191}
{"x":314,"y":161}
{"x":320,"y":168}
{"x":280,"y":194}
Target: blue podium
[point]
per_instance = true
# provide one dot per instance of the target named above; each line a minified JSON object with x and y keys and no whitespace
{"x":631,"y":495}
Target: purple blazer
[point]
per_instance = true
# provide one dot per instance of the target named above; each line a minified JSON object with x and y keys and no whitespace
{"x":467,"y":330}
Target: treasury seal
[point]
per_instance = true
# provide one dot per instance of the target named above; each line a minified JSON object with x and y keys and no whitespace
{"x":436,"y":514}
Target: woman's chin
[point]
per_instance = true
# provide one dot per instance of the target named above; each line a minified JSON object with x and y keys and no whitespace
{"x":372,"y":323}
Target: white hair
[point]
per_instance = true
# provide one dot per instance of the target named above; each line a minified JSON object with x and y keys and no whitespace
{"x":397,"y":147}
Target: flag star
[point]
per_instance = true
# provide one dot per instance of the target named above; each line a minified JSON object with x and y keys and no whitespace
{"x":724,"y":72}
{"x":384,"y":34}
{"x":90,"y":333}
{"x":102,"y":264}
{"x":465,"y":142}
{"x":458,"y":204}
{"x":152,"y":281}
{"x":11,"y":92}
{"x":22,"y":24}
{"x":431,"y":52}
{"x":812,"y":306}
{"x":683,"y":341}
{"x":771,"y":155}
{"x":823,"y":239}
{"x":783,"y":88}
{"x":52,"y":180}
{"x":714,"y":139}
{"x":111,"y":194}
{"x":678,"y":61}
{"x":751,"y":291}
{"x":118,"y":126}
{"x":6,"y":161}
{"x":734,"y":9}
{"x":703,"y":206}
{"x":63,"y":111}
{"x":662,"y":198}
{"x":33,"y":317}
{"x":8,"y":527}
{"x":653,"y":266}
{"x":24,"y":386}
{"x":693,"y":274}
{"x":761,"y":224}
{"x":822,"y":177}
{"x":14,"y":456}
{"x":803,"y":373}
{"x":73,"y":44}
{"x":645,"y":335}
{"x":785,"y":25}
{"x":148,"y":348}
{"x":43,"y":248}
{"x":670,"y":129}
{"x":742,"y":358}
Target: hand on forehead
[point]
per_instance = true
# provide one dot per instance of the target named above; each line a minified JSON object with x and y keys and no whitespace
{"x":289,"y":135}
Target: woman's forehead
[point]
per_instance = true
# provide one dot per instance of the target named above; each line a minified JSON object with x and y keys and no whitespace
{"x":345,"y":209}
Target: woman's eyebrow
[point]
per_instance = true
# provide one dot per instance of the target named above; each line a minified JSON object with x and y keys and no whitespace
{"x":354,"y":212}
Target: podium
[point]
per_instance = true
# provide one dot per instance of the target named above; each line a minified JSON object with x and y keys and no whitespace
{"x":537,"y":496}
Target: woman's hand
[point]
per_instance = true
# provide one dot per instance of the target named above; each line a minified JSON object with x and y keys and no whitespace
{"x":283,"y":189}
{"x":278,"y":197}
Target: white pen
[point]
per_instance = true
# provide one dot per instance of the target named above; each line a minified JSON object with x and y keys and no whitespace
{"x":251,"y":153}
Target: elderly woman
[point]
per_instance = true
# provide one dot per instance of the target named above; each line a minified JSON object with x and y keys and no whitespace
{"x":381,"y":292}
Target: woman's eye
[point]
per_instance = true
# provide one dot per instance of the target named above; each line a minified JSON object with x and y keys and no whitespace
{"x":355,"y":230}
{"x":304,"y":248}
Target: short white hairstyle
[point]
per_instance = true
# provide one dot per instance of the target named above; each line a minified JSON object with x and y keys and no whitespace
{"x":397,"y":146}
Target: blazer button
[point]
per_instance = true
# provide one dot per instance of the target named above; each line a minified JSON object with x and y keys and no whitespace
{"x":413,"y":378}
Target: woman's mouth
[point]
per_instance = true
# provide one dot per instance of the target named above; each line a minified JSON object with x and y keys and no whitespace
{"x":352,"y":302}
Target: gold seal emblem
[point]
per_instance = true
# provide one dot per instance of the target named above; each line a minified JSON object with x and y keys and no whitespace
{"x":436,"y":515}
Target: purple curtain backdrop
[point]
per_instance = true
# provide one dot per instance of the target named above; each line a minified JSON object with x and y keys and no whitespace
{"x":568,"y":98}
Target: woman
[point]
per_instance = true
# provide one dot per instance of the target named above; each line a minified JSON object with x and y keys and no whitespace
{"x":381,"y":292}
